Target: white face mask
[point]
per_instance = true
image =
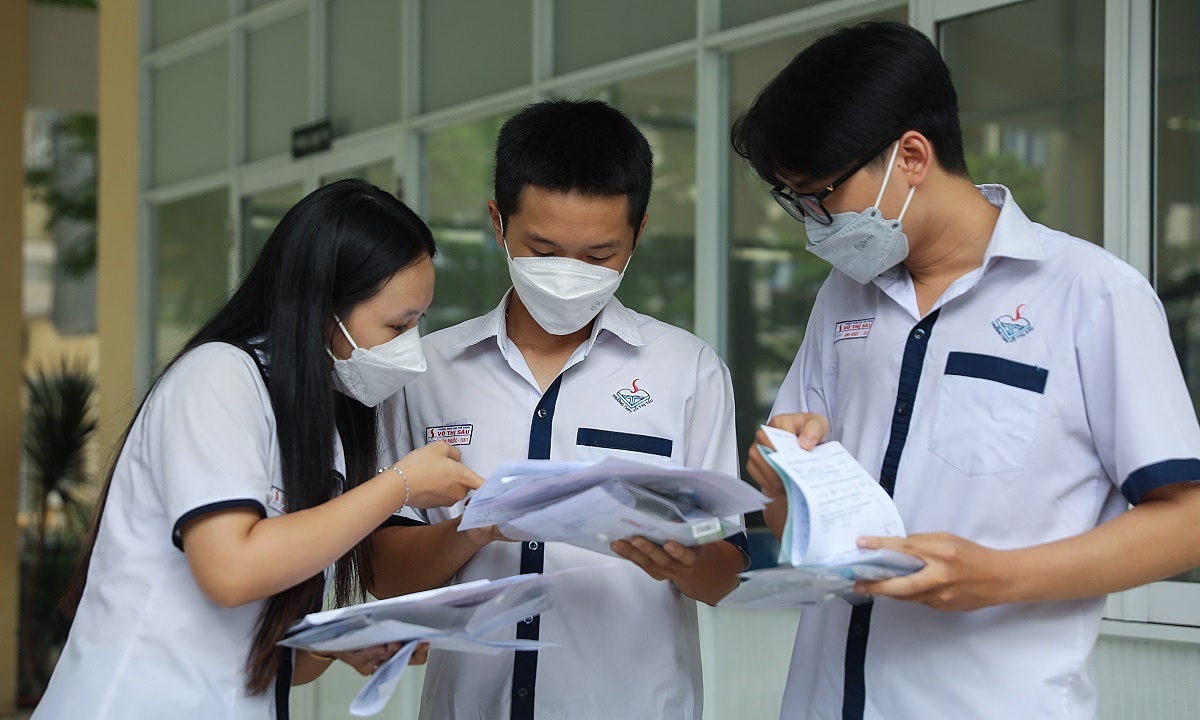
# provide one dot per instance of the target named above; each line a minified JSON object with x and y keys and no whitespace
{"x":372,"y":375}
{"x":862,"y":245}
{"x":562,"y":294}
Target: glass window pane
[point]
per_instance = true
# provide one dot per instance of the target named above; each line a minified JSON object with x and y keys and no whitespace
{"x":172,"y":20}
{"x":1035,"y":122}
{"x":473,"y":48}
{"x":1177,"y":185}
{"x":378,"y":174}
{"x":190,"y":120}
{"x":277,"y":85}
{"x":261,"y":212}
{"x":471,"y":269}
{"x":364,"y":64}
{"x":661,"y":277}
{"x":587,"y":33}
{"x":773,"y":280}
{"x":190,"y":268}
{"x":740,"y":12}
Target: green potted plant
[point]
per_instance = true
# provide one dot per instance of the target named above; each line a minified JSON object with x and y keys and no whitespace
{"x":59,"y":422}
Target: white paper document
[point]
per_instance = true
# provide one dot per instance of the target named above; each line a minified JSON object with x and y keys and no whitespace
{"x":832,"y":501}
{"x":476,"y":616}
{"x":592,"y":504}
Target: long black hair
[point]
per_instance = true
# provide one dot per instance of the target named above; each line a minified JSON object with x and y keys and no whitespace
{"x":332,"y":250}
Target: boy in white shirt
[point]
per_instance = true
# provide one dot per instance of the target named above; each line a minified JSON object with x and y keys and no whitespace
{"x":561,"y":369}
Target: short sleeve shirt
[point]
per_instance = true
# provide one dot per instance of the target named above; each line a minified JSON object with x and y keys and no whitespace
{"x":623,"y":645}
{"x":146,"y":642}
{"x":1030,"y":404}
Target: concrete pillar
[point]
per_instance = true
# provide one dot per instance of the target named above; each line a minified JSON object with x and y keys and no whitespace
{"x":13,"y":52}
{"x":116,"y":221}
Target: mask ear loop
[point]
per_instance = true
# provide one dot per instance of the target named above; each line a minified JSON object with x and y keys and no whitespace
{"x":907,"y":200}
{"x":887,"y":177}
{"x":344,"y":332}
{"x":503,"y":237}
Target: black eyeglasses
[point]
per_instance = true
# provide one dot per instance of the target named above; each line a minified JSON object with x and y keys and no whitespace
{"x":809,"y":204}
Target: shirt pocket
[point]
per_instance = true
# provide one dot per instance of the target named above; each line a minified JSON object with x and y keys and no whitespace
{"x":593,"y":445}
{"x":987,"y":413}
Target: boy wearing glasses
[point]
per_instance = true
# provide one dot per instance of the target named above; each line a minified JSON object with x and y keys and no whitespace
{"x":1013,"y":388}
{"x":560,"y":369}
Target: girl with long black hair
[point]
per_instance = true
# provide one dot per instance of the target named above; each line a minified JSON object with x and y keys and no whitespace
{"x":250,"y":468}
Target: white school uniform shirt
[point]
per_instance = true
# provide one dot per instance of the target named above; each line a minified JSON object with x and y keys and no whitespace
{"x":1039,"y":395}
{"x":625,"y":645}
{"x":146,"y":642}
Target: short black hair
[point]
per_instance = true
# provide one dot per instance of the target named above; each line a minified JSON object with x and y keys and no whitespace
{"x":845,"y":95}
{"x":584,"y":146}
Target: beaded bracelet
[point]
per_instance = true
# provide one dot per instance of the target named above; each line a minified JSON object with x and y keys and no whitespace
{"x":405,"y":478}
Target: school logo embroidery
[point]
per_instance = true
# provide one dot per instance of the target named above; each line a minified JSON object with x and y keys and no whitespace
{"x":633,"y":398}
{"x":453,"y":434}
{"x":276,"y":501}
{"x":849,"y":329}
{"x":1012,"y":327}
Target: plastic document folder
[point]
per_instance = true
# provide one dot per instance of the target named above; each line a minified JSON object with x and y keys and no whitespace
{"x":592,"y":504}
{"x":475,"y":616}
{"x":832,"y":501}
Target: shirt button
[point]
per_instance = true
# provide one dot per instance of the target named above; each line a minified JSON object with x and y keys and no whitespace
{"x":533,"y":544}
{"x":529,"y":620}
{"x":902,"y":409}
{"x":541,"y":412}
{"x":919,"y":334}
{"x":523,"y":693}
{"x":856,"y":630}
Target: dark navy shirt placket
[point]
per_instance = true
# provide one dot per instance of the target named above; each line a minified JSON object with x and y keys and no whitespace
{"x":854,"y":692}
{"x":532,"y":561}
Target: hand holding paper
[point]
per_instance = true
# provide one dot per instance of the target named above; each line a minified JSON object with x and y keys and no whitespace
{"x":470,"y":617}
{"x":832,"y":501}
{"x":591,"y":505}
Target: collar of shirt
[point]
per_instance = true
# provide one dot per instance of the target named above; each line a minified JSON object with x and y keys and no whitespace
{"x":1014,"y":236}
{"x":614,"y":318}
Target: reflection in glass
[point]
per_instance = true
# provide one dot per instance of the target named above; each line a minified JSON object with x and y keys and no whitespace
{"x":660,"y":281}
{"x":276,"y":85}
{"x":378,"y":174}
{"x":740,"y":12}
{"x":191,"y":279}
{"x":773,"y":280}
{"x":473,"y":48}
{"x":471,"y":270}
{"x":1177,"y":205}
{"x":176,"y":19}
{"x":261,"y":212}
{"x":363,"y":44}
{"x":190,"y":107}
{"x":589,"y":33}
{"x":1032,"y":106}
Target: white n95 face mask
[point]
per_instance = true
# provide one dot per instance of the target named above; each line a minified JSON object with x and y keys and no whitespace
{"x":372,"y":375}
{"x":562,"y":294}
{"x":862,"y":245}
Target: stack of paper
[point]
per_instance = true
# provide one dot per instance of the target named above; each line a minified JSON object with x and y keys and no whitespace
{"x":459,"y":617}
{"x":592,"y":504}
{"x":832,"y":501}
